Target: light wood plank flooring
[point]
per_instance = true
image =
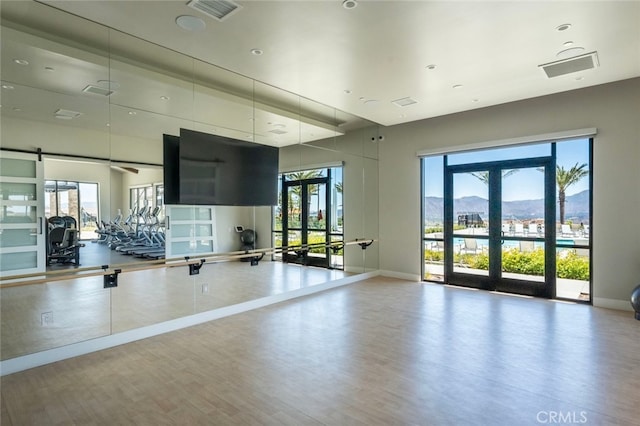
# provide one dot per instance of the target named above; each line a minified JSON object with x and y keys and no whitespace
{"x":378,"y":352}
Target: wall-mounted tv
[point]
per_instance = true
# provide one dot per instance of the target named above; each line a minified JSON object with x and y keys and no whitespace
{"x":208,"y":169}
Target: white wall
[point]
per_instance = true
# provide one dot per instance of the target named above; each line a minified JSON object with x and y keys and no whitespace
{"x":614,"y":109}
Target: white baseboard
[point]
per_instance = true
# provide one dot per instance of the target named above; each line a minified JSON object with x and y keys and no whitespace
{"x":400,"y":275}
{"x":620,"y":305}
{"x":26,"y":362}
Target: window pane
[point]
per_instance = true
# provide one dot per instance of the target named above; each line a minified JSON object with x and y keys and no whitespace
{"x":510,"y":153}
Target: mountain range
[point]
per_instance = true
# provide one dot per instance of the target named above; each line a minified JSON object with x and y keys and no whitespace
{"x":576,"y":207}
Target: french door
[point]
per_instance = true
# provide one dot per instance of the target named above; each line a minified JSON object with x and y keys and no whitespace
{"x":304,"y":221}
{"x":484,"y":232}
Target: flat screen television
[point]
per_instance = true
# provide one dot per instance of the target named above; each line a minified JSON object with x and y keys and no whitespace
{"x":170,"y":156}
{"x":217,"y":170}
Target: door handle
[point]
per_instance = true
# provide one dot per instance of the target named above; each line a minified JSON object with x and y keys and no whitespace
{"x":168,"y":224}
{"x":40,"y":225}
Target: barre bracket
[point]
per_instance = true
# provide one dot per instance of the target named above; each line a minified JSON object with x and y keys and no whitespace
{"x":194,"y":268}
{"x":364,"y":244}
{"x":111,"y":280}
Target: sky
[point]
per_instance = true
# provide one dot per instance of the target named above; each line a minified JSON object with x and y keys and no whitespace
{"x":526,"y":184}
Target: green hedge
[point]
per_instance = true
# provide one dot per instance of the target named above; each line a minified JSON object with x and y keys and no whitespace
{"x":569,"y":265}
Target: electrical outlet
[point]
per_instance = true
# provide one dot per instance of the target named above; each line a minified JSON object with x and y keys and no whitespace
{"x":46,"y":319}
{"x":205,"y":288}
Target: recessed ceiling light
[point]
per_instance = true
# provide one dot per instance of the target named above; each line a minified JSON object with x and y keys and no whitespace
{"x":457,"y":86}
{"x":50,"y":69}
{"x":563,"y":27}
{"x":8,"y":87}
{"x":16,"y":109}
{"x":132,"y":113}
{"x":347,"y":91}
{"x":190,"y":23}
{"x":431,"y":67}
{"x":568,"y":53}
{"x":164,"y":98}
{"x":349,"y":4}
{"x":579,"y":78}
{"x":475,"y":100}
{"x":371,"y":102}
{"x":362,"y":98}
{"x":256,"y":52}
{"x":21,"y":62}
{"x":567,"y":43}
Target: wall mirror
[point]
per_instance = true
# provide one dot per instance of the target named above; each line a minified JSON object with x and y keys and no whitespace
{"x":97,"y":103}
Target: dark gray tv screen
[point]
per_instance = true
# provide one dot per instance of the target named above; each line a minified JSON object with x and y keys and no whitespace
{"x":217,"y":170}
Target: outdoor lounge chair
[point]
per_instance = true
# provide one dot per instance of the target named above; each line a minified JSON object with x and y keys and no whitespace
{"x":470,"y":246}
{"x":565,"y":230}
{"x":527,"y":246}
{"x":519,"y":229}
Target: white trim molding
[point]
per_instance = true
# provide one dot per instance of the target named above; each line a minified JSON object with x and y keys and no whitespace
{"x":546,"y":137}
{"x":620,"y":305}
{"x":401,"y":275}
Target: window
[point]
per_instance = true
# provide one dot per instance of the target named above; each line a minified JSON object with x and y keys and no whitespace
{"x":78,"y":200}
{"x":509,"y":210}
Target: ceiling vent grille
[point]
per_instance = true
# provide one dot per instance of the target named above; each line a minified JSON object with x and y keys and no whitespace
{"x":278,"y":132}
{"x":216,"y":9}
{"x":97,"y":90}
{"x":404,"y":102}
{"x":567,"y":66}
{"x":66,"y":114}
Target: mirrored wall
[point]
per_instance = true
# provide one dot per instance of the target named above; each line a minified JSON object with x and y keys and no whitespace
{"x":87,"y":107}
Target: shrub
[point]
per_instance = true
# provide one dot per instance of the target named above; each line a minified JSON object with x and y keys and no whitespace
{"x":529,"y":263}
{"x":570,"y":265}
{"x":573,"y":267}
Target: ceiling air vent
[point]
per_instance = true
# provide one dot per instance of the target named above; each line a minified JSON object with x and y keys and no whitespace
{"x":278,"y":132}
{"x":217,"y":9}
{"x":97,"y":90}
{"x":66,"y":114}
{"x":567,"y":66}
{"x":404,"y":102}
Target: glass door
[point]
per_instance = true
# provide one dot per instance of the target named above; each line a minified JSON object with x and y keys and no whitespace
{"x":304,"y":224}
{"x":22,"y":226}
{"x":499,"y":226}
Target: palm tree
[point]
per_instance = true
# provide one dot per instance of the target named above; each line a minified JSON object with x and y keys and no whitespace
{"x":484,"y":175}
{"x":297,"y":190}
{"x":566,"y":178}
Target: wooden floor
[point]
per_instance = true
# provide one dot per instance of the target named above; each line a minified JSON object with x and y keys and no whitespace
{"x":378,"y":352}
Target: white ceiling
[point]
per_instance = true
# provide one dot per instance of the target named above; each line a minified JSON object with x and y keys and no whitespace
{"x":379,"y":50}
{"x":357,"y":60}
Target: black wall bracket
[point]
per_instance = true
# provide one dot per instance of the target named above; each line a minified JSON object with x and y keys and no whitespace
{"x":194,"y":268}
{"x":111,"y":280}
{"x":364,"y":244}
{"x":336,"y":248}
